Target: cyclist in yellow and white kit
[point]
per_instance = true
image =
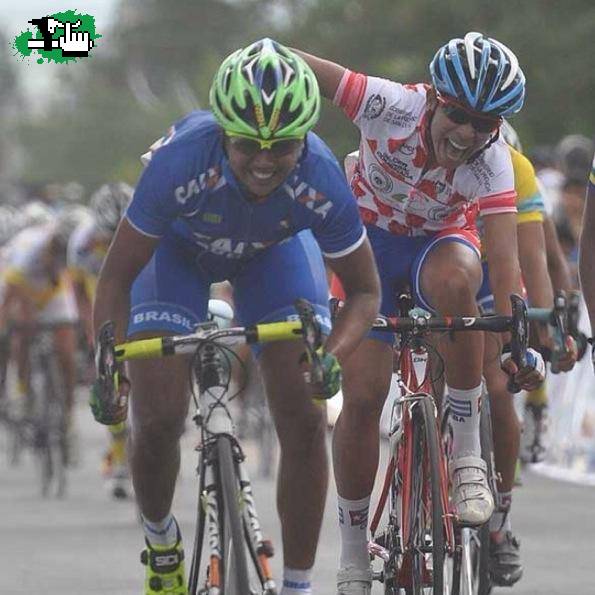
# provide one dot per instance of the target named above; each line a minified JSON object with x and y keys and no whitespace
{"x":87,"y":248}
{"x":505,"y":565}
{"x":36,"y":289}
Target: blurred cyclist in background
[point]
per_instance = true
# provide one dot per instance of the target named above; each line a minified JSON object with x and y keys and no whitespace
{"x":87,"y":248}
{"x":505,"y":564}
{"x":587,"y":254}
{"x":37,"y":290}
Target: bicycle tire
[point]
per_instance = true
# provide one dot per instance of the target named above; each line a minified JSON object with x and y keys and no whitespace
{"x":426,"y":467}
{"x":472,"y":573}
{"x":235,"y":567}
{"x":199,"y":535}
{"x":487,"y":453}
{"x":55,"y":447}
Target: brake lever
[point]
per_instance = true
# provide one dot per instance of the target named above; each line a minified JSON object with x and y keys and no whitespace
{"x":519,"y":337}
{"x":105,"y":353}
{"x":560,"y":323}
{"x":312,"y":336}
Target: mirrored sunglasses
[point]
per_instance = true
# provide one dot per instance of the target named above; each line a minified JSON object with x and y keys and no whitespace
{"x":251,"y":146}
{"x":460,"y":116}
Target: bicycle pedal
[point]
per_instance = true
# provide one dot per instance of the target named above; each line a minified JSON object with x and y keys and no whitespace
{"x":266,"y":548}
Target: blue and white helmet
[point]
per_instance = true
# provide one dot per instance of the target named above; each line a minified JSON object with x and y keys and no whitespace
{"x":481,"y":73}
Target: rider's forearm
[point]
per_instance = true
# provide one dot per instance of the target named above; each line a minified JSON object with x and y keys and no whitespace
{"x":505,"y":279}
{"x":85,"y":310}
{"x":352,"y":324}
{"x":500,"y":237}
{"x":536,"y":277}
{"x":328,"y":74}
{"x":533,"y":261}
{"x":556,"y":261}
{"x":112,"y":302}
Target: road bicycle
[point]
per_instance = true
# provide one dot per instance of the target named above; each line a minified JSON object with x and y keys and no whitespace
{"x":421,"y":546}
{"x":230,"y":554}
{"x":41,"y":423}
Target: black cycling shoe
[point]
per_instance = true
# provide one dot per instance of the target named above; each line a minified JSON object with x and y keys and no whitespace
{"x":505,"y":566}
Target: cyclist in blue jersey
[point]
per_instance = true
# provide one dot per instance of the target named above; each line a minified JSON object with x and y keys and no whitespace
{"x":246,"y":193}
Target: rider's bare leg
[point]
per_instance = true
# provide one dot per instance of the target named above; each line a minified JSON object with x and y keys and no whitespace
{"x":159,"y":403}
{"x":303,"y":471}
{"x":450,"y":279}
{"x":366,"y":381}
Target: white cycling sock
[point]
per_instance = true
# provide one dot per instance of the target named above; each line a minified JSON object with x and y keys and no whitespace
{"x":500,"y":519}
{"x":163,"y":533}
{"x":297,"y":582}
{"x":353,"y":525}
{"x":464,"y":420}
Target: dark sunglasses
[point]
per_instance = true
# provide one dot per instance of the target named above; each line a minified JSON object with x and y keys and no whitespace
{"x":459,"y":115}
{"x":251,"y":146}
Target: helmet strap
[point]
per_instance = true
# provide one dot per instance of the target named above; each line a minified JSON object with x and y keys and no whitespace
{"x":487,"y":145}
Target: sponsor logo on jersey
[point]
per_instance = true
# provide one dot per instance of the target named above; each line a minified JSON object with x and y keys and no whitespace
{"x":208,"y":180}
{"x":163,"y":316}
{"x":483,"y":173}
{"x":398,"y":117}
{"x":212,"y":218}
{"x":407,"y":149}
{"x":374,"y":106}
{"x":399,"y":166}
{"x":310,"y":198}
{"x":380,"y":179}
{"x":229,"y":247}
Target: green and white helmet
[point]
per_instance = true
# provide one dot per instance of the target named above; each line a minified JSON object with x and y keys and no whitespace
{"x":265,"y":91}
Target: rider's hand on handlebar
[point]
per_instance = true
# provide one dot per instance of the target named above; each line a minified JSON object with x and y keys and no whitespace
{"x":109,"y":399}
{"x":110,"y":390}
{"x":324,"y":375}
{"x":531,"y":376}
{"x":561,"y":360}
{"x":566,"y":359}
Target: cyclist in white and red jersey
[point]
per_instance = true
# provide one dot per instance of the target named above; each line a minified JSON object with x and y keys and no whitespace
{"x":430,"y":160}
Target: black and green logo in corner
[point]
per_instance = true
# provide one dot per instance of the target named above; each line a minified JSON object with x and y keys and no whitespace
{"x":60,"y":37}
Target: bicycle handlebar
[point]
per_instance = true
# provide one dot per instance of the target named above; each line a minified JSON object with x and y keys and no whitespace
{"x":307,"y":327}
{"x":421,"y":322}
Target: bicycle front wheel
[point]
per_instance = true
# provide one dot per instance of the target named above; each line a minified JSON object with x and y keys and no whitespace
{"x":235,"y":569}
{"x":427,"y":544}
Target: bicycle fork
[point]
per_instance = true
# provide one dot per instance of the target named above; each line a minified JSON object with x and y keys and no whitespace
{"x":263,"y":547}
{"x":217,"y":421}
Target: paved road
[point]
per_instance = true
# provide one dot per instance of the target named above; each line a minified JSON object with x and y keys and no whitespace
{"x":88,"y":544}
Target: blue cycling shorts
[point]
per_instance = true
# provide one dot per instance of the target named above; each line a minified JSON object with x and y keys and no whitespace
{"x":485,"y":297}
{"x":172,"y":292}
{"x":400,"y":260}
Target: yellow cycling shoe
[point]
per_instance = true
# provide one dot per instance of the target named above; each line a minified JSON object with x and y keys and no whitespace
{"x":165,"y":569}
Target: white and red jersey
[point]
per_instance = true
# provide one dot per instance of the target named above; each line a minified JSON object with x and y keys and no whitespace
{"x":395,"y":183}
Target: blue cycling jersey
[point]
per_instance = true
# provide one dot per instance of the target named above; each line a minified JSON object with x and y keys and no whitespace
{"x":189,"y":193}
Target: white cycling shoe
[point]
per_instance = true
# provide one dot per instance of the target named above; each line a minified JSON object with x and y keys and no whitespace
{"x":472,"y":498}
{"x":354,"y":581}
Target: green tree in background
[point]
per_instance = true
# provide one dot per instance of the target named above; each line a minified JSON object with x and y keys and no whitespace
{"x":397,"y":39}
{"x":158,"y":60}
